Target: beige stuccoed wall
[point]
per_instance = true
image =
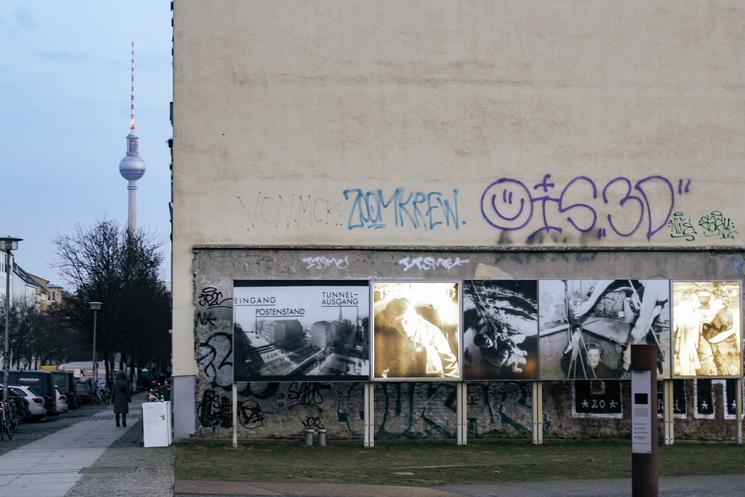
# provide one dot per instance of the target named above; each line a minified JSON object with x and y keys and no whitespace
{"x":282,"y":105}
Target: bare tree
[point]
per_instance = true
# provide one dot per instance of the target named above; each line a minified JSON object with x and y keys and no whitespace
{"x":108,"y":264}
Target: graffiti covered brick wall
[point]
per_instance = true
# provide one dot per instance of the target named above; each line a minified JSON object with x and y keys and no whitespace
{"x":427,"y":410}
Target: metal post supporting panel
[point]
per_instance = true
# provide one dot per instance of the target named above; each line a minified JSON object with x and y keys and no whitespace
{"x":462,"y":413}
{"x":369,"y":410}
{"x":537,"y":400}
{"x":738,"y":399}
{"x":644,"y":458}
{"x":235,"y":414}
{"x":668,"y":411}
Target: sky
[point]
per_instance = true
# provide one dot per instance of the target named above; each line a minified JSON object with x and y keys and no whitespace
{"x":64,"y":109}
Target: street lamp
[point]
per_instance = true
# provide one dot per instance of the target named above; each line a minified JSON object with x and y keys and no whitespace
{"x":95,"y":306}
{"x":7,"y":245}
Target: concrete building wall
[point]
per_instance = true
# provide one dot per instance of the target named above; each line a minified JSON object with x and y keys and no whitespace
{"x":423,"y":410}
{"x":490,"y":125}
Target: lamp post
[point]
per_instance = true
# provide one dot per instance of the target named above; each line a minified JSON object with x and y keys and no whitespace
{"x":95,"y":306}
{"x":7,"y":245}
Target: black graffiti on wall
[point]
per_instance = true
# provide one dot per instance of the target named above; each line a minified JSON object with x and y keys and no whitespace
{"x":211,"y":297}
{"x":215,"y":411}
{"x":306,"y":394}
{"x":214,"y":357}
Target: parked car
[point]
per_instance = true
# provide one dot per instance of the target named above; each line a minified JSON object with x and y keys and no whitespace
{"x":34,"y":403}
{"x":41,"y":383}
{"x":61,"y":401}
{"x":65,"y":381}
{"x":84,"y":390}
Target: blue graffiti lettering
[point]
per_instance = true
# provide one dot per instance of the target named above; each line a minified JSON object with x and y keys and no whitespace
{"x":373,"y":209}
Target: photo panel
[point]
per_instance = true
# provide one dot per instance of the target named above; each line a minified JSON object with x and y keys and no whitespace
{"x":416,"y":330}
{"x":301,"y":330}
{"x":500,"y":330}
{"x":587,"y":327}
{"x":706,"y":329}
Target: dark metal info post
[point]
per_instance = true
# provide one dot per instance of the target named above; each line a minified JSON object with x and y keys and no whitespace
{"x":644,"y":460}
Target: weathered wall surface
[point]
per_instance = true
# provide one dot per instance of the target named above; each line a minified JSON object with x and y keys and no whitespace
{"x":350,"y":122}
{"x":454,"y":123}
{"x":421,"y":410}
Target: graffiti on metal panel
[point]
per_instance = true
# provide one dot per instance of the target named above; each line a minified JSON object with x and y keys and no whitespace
{"x":622,"y":206}
{"x":717,"y":225}
{"x":320,"y":263}
{"x":290,"y":210}
{"x":419,"y":210}
{"x":431,"y":263}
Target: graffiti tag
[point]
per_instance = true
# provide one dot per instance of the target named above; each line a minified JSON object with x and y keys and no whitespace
{"x":320,"y":263}
{"x":622,"y":206}
{"x":426,"y":210}
{"x":717,"y":225}
{"x":681,"y":227}
{"x":431,"y":263}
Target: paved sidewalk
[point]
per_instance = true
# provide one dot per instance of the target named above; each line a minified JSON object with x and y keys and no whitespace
{"x":127,"y":469}
{"x":50,"y":466}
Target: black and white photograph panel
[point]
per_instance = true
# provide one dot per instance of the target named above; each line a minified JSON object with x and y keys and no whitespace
{"x":706,"y":329}
{"x":587,"y":327}
{"x":417,"y":330}
{"x":301,"y":330}
{"x":500,"y":330}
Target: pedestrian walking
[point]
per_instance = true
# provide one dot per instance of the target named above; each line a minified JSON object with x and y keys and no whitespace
{"x":121,"y":397}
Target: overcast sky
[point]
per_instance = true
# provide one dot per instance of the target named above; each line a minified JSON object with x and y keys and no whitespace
{"x":64,"y":95}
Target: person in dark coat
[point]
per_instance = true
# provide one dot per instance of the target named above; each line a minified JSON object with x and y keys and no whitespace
{"x":121,"y":397}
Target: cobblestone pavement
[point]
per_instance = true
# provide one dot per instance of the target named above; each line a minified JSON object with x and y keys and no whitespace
{"x":128,"y":469}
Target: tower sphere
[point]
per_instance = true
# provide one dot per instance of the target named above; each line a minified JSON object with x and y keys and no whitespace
{"x":132,"y":167}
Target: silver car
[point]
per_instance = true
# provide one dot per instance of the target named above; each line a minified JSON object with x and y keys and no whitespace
{"x":35,"y":402}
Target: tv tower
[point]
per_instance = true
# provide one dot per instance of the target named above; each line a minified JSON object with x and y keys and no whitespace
{"x":132,"y":167}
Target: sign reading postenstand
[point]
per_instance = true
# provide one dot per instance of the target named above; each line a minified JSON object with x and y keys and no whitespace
{"x":301,"y":330}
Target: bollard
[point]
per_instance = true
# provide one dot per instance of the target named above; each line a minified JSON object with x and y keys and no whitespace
{"x":322,"y":437}
{"x":309,"y":432}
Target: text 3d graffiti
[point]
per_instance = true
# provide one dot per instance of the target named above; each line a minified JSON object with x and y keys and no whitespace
{"x":622,"y":206}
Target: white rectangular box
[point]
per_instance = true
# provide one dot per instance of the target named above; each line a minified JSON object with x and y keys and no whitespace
{"x":156,"y":424}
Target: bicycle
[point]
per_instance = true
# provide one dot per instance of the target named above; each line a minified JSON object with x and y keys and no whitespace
{"x":5,"y":420}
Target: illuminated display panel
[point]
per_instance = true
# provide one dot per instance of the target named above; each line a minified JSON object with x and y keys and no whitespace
{"x":706,"y":329}
{"x":587,"y":327}
{"x":301,"y":330}
{"x":500,"y":330}
{"x":416,"y":328}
